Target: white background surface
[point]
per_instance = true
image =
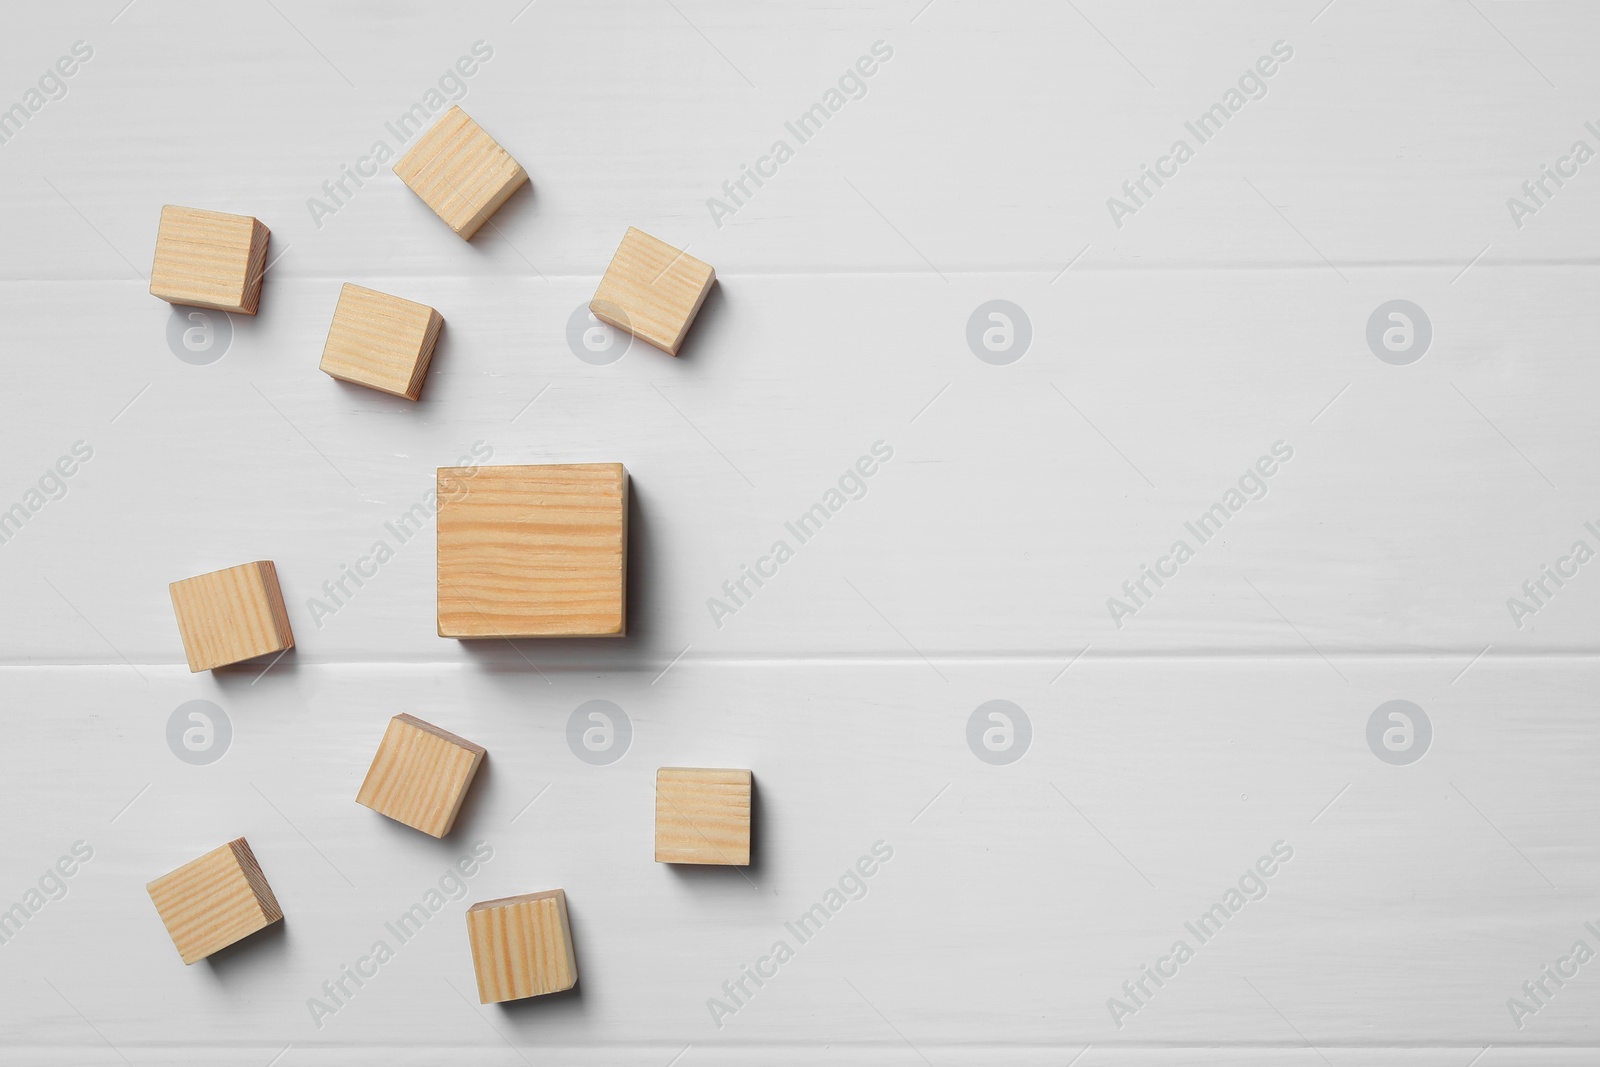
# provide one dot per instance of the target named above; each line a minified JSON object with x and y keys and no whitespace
{"x":1168,"y":754}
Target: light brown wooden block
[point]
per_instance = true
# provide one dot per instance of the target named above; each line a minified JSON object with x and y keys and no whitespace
{"x":381,"y":341}
{"x":231,"y":615}
{"x":652,"y":290}
{"x":420,"y":775}
{"x":209,"y":903}
{"x":703,"y":816}
{"x":460,"y":172}
{"x":522,"y":946}
{"x":533,"y":551}
{"x":209,"y":259}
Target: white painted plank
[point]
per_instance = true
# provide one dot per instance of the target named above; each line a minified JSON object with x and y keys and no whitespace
{"x":1418,"y":499}
{"x":1017,"y":900}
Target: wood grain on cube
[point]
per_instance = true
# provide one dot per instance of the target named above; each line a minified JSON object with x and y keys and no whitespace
{"x":703,"y":816}
{"x":420,"y":775}
{"x":460,"y":172}
{"x":209,"y":259}
{"x":381,"y":341}
{"x":209,"y":903}
{"x":533,"y":551}
{"x":231,"y":615}
{"x":652,"y":290}
{"x":522,"y":946}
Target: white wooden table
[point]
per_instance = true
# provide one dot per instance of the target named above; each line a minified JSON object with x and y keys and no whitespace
{"x":1169,"y":744}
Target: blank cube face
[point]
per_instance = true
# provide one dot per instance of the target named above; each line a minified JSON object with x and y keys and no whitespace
{"x":231,"y":615}
{"x":703,"y":816}
{"x":522,"y":946}
{"x":460,"y":172}
{"x":381,"y":341}
{"x":209,"y":903}
{"x":652,"y":290}
{"x":420,"y":775}
{"x":209,"y":259}
{"x":534,"y":551}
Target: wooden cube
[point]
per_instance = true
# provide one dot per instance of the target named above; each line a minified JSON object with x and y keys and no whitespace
{"x":381,"y":341}
{"x":652,"y":290}
{"x":420,"y":775}
{"x":460,"y":172}
{"x":533,"y":551}
{"x":522,"y":946}
{"x":209,"y":903}
{"x":209,"y":259}
{"x":703,"y":816}
{"x":231,"y":615}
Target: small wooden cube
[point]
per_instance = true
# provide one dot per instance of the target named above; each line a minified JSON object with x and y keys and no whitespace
{"x":231,"y":615}
{"x":652,"y":290}
{"x":381,"y":341}
{"x":209,"y":903}
{"x":209,"y":259}
{"x":703,"y":816}
{"x":420,"y":775}
{"x":522,"y":946}
{"x":460,"y":172}
{"x":533,"y":551}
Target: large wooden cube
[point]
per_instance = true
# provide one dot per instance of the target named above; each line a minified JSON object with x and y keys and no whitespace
{"x":522,"y":946}
{"x":231,"y":615}
{"x":652,"y":290}
{"x":420,"y":775}
{"x":209,"y":259}
{"x":209,"y":903}
{"x":533,"y":551}
{"x":703,"y":816}
{"x":460,"y":172}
